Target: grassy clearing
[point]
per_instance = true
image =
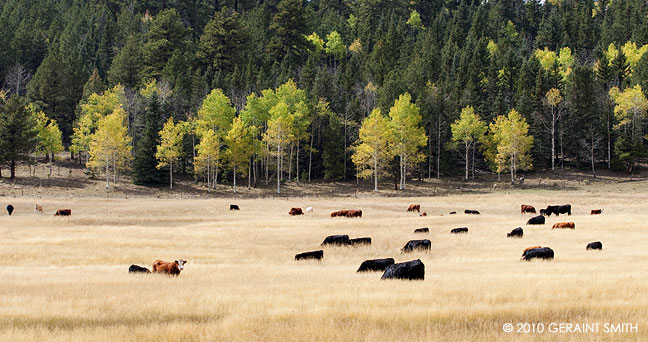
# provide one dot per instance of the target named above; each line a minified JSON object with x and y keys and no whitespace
{"x":66,"y":278}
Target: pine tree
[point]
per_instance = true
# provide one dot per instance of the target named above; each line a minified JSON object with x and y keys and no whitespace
{"x":95,"y":85}
{"x":18,"y":133}
{"x":145,"y":171}
{"x":126,"y":66}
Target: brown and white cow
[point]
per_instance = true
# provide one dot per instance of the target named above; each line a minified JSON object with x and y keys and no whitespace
{"x":571,"y":225}
{"x":596,"y":212}
{"x":171,"y":268}
{"x":527,"y":209}
{"x":414,"y":207}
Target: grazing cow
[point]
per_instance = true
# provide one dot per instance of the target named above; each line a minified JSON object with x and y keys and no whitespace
{"x":38,"y":208}
{"x":309,"y":209}
{"x":295,"y":211}
{"x":170,"y":268}
{"x":360,"y":241}
{"x":542,"y":212}
{"x":473,"y":212}
{"x":558,"y":209}
{"x":310,"y":255}
{"x":234,"y":207}
{"x":10,"y":209}
{"x":339,"y":213}
{"x":594,"y":245}
{"x":596,"y":212}
{"x":354,"y":213}
{"x":422,"y":230}
{"x":414,"y":207}
{"x":417,"y":244}
{"x":375,"y":265}
{"x":530,"y":248}
{"x":63,"y":212}
{"x":571,"y":225}
{"x":527,"y":209}
{"x":536,"y":220}
{"x":138,"y":269}
{"x":336,"y":240}
{"x":517,"y":232}
{"x":423,"y":214}
{"x":459,"y":230}
{"x":538,"y":253}
{"x":411,"y":270}
{"x":453,"y":213}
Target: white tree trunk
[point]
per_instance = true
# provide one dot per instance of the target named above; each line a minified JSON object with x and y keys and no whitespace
{"x":171,"y":175}
{"x":234,"y":171}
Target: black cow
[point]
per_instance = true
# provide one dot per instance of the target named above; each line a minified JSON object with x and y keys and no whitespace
{"x":558,"y":209}
{"x":336,"y":240}
{"x":473,"y":212}
{"x":138,"y":269}
{"x":360,"y":241}
{"x":375,"y":265}
{"x":422,"y":230}
{"x":536,"y":220}
{"x":539,"y":253}
{"x":594,"y":245}
{"x":310,"y":255}
{"x":234,"y":207}
{"x":411,"y":270}
{"x":417,"y":244}
{"x":453,"y":213}
{"x":10,"y":209}
{"x":459,"y":230}
{"x":517,"y":232}
{"x":63,"y":212}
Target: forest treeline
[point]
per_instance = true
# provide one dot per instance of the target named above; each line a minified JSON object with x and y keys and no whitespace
{"x":328,"y":89}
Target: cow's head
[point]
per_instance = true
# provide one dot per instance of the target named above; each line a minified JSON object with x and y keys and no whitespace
{"x":180,"y":264}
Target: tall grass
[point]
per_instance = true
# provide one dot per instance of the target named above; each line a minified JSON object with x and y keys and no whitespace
{"x":65,"y":279}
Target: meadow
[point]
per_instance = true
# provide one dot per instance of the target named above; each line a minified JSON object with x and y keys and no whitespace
{"x":65,"y":279}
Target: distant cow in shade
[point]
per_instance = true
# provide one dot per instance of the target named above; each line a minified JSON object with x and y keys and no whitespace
{"x":571,"y":225}
{"x":472,"y":212}
{"x":594,"y":245}
{"x":453,"y":213}
{"x":339,"y":213}
{"x":538,"y":253}
{"x":423,"y":214}
{"x":517,"y":232}
{"x":411,"y":270}
{"x":234,"y":207}
{"x":414,"y":207}
{"x":295,"y":211}
{"x":527,"y":209}
{"x":417,"y":245}
{"x":138,"y":269}
{"x":336,"y":240}
{"x":536,"y":220}
{"x":375,"y":265}
{"x":10,"y":209}
{"x":459,"y":230}
{"x":360,"y":241}
{"x":310,"y":255}
{"x":63,"y":212}
{"x":354,"y":213}
{"x":596,"y":212}
{"x":558,"y":209}
{"x":170,"y":268}
{"x":422,"y":230}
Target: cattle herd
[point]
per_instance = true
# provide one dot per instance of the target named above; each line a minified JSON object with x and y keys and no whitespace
{"x":415,"y":269}
{"x":411,"y":270}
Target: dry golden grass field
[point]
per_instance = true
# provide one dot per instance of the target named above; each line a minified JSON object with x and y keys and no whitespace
{"x":65,"y":279}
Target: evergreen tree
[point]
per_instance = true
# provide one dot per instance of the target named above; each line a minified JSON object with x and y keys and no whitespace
{"x":145,"y":171}
{"x":18,"y":133}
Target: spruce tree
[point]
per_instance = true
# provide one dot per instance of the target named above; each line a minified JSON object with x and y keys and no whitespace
{"x":145,"y":171}
{"x":18,"y":134}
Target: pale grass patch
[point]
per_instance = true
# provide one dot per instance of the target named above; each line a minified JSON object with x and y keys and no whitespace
{"x":66,"y":279}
